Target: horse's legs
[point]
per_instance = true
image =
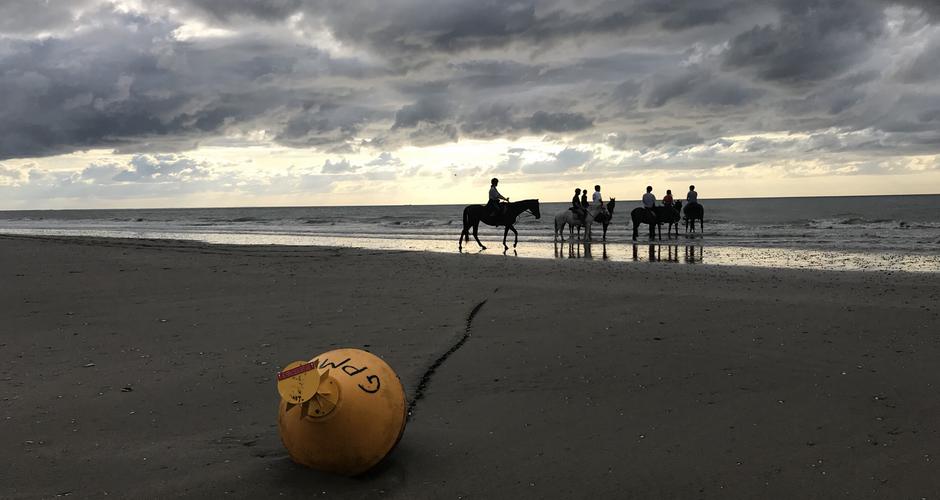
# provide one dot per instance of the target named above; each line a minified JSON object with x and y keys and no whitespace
{"x":605,"y":230}
{"x":701,"y":223}
{"x":505,"y":233}
{"x":516,"y":234}
{"x":635,"y":232}
{"x":476,"y":227}
{"x":460,"y":239}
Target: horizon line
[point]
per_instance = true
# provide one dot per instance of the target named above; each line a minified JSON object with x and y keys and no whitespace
{"x":444,"y":204}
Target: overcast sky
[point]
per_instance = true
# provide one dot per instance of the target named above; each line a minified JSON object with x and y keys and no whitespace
{"x":322,"y":102}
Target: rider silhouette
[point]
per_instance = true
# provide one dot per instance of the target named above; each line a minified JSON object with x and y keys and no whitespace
{"x":576,"y":207}
{"x":649,"y":200}
{"x":493,"y":204}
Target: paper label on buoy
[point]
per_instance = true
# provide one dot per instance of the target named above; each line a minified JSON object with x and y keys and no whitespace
{"x":298,"y":382}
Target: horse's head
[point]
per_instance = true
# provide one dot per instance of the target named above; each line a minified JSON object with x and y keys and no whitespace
{"x":535,"y":210}
{"x":611,"y":204}
{"x":678,"y":206}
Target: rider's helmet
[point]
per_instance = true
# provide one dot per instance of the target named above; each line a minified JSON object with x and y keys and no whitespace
{"x":494,"y":181}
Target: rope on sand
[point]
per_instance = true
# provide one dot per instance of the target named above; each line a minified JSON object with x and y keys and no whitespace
{"x":426,"y":378}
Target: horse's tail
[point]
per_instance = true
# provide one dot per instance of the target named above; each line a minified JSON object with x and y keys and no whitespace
{"x":466,"y":224}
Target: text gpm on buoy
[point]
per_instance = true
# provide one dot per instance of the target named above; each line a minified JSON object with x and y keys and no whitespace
{"x":341,"y":412}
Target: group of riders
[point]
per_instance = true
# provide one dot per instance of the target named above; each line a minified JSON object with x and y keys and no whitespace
{"x":581,"y":207}
{"x":649,"y":199}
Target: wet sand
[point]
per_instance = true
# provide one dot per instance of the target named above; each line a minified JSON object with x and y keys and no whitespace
{"x":146,"y":368}
{"x":686,"y":249}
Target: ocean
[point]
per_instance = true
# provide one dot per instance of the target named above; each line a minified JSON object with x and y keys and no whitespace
{"x":880,"y":233}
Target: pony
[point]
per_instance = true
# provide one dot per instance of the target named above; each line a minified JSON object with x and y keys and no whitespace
{"x":506,"y":215}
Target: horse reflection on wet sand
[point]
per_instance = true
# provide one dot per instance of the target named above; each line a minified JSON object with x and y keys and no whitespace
{"x":575,"y":250}
{"x":693,"y":253}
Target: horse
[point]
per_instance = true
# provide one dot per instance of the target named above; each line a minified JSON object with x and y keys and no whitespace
{"x":692,"y":212}
{"x":605,"y":219}
{"x":671,"y":217}
{"x":473,"y":215}
{"x":659,"y":215}
{"x":568,"y":217}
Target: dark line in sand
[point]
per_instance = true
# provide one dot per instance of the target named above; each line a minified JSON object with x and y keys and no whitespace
{"x":426,"y":378}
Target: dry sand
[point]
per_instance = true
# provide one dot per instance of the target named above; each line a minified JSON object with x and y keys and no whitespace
{"x":146,"y":369}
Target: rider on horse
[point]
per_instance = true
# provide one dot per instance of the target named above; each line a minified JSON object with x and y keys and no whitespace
{"x":576,"y":207}
{"x":692,"y":197}
{"x":492,"y":205}
{"x":599,"y":203}
{"x":649,"y":200}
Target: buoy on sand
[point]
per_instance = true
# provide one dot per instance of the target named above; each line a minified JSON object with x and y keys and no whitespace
{"x":341,"y":412}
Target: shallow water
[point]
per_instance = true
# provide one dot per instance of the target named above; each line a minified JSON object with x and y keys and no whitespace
{"x":681,"y":251}
{"x":873,"y":233}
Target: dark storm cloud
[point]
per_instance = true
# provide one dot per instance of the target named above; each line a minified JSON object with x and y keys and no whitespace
{"x":129,"y":81}
{"x":929,"y":7}
{"x":639,"y":74}
{"x":271,"y":10}
{"x":432,"y":109}
{"x":813,"y":40}
{"x":925,"y":67}
{"x":27,"y":16}
{"x":543,"y":121}
{"x":415,"y":26}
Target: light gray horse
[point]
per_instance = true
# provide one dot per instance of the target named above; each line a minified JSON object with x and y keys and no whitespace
{"x":568,"y":217}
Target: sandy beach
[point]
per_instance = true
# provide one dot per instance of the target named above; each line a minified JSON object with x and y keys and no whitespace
{"x":140,"y":368}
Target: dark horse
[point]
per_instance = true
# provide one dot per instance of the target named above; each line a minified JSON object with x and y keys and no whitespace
{"x":473,"y":215}
{"x":606,"y":218}
{"x":672,"y":218}
{"x":692,"y":212}
{"x":655,"y":218}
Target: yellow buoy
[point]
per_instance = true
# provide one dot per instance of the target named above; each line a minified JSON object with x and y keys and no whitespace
{"x":341,"y":412}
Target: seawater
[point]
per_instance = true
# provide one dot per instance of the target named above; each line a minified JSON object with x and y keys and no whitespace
{"x":871,"y":232}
